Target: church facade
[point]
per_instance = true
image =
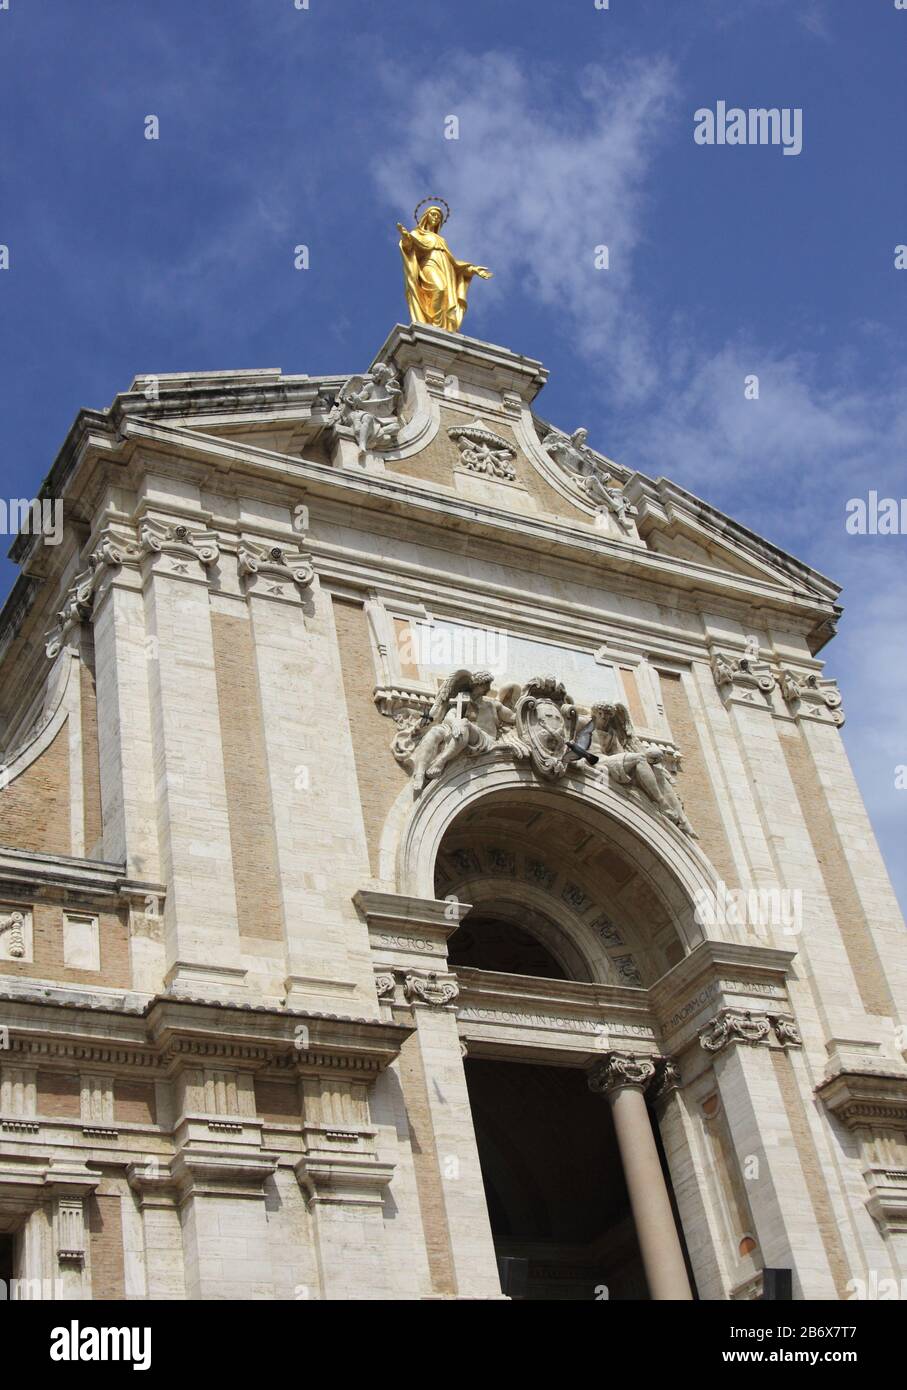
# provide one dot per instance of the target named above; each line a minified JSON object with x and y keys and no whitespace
{"x":429,"y":867}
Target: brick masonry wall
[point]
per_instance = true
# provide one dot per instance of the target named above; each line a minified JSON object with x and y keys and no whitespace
{"x":134,"y":1103}
{"x":255,"y":870}
{"x":378,"y":774}
{"x":839,"y":885}
{"x":437,"y":462}
{"x":34,"y":809}
{"x":278,"y":1101}
{"x":426,"y":1168}
{"x":694,"y":785}
{"x":47,"y":923}
{"x":812,"y":1168}
{"x":105,"y":1234}
{"x":91,"y":768}
{"x":59,"y":1095}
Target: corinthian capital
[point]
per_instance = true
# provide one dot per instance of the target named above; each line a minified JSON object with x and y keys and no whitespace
{"x":621,"y":1069}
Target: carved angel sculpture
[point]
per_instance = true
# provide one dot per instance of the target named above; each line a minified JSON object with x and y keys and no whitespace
{"x":465,"y":717}
{"x":629,"y":762}
{"x":576,"y":459}
{"x":369,"y":406}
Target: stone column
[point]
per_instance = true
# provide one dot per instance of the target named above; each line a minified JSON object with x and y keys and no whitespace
{"x":623,"y":1077}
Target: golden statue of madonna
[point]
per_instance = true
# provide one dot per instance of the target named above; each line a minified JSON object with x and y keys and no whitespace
{"x":436,"y":282}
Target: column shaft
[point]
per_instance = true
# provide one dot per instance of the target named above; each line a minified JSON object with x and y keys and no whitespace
{"x":656,"y":1231}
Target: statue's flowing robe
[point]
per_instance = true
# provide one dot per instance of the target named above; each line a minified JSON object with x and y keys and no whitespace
{"x":436,"y":282}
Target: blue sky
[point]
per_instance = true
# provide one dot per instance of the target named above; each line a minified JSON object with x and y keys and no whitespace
{"x":324,"y":126}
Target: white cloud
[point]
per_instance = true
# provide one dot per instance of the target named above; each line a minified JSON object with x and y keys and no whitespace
{"x":547,"y":167}
{"x":533,"y":194}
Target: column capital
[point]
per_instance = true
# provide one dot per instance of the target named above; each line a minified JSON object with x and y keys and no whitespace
{"x":621,"y":1069}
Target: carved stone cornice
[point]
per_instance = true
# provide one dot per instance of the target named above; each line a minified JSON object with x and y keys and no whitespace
{"x":405,"y":931}
{"x":867,"y":1099}
{"x":887,"y":1200}
{"x":164,"y":1035}
{"x":717,"y":976}
{"x":223,"y":1172}
{"x":358,"y":1179}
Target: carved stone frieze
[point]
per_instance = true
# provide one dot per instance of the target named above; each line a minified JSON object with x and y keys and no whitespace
{"x":430,"y":989}
{"x":747,"y":1026}
{"x":483,"y":451}
{"x":537,"y":722}
{"x":465,"y":719}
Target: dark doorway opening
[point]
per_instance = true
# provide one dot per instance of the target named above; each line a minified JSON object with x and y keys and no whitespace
{"x":7,"y":1263}
{"x":487,"y":943}
{"x":553,"y":1181}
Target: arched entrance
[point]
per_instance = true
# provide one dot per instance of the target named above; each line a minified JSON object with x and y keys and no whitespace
{"x":563,"y":922}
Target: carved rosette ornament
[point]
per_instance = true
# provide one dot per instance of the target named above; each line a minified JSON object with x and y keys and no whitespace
{"x":430,"y":989}
{"x":621,"y":1069}
{"x":483,"y":451}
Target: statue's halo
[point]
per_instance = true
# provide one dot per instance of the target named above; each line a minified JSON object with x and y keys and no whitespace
{"x":430,"y":203}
